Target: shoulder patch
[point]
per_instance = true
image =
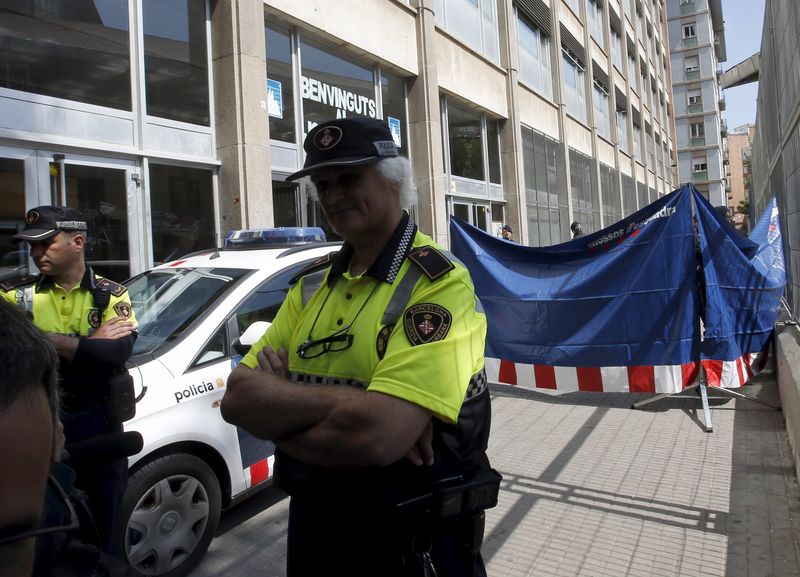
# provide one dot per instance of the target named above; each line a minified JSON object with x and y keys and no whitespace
{"x":114,"y":288}
{"x":18,"y":281}
{"x":320,"y":263}
{"x":426,"y":323}
{"x":432,"y":262}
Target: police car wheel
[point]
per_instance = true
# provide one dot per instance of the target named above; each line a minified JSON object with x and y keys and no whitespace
{"x":171,"y":511}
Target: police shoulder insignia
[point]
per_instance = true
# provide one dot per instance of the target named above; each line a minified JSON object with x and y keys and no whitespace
{"x":320,"y":263}
{"x":122,"y":309}
{"x":383,"y":339}
{"x":432,"y":262}
{"x":426,"y":323}
{"x":114,"y":288}
{"x":94,"y":318}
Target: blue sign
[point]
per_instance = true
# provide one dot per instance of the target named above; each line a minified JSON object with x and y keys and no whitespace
{"x":274,"y":98}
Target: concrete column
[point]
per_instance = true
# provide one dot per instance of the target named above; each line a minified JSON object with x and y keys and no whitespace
{"x":240,"y":79}
{"x":512,"y":161}
{"x":425,"y":129}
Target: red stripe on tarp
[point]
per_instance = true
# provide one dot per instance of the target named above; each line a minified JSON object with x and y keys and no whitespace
{"x":507,"y":373}
{"x":590,"y":379}
{"x":713,"y":372}
{"x":259,"y":472}
{"x":642,"y":379}
{"x":545,"y":376}
{"x":177,"y":263}
{"x":688,"y":373}
{"x":740,"y":370}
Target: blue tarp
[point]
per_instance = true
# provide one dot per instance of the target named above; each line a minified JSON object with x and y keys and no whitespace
{"x":628,"y":295}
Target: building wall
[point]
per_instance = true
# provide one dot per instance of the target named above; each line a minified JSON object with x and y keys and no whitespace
{"x":739,"y":147}
{"x":776,"y":173}
{"x":449,"y":75}
{"x":695,"y":63}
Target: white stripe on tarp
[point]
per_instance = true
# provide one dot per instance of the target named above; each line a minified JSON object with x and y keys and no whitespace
{"x":669,"y":378}
{"x":492,"y":366}
{"x":525,"y":376}
{"x":615,"y":379}
{"x":566,"y":379}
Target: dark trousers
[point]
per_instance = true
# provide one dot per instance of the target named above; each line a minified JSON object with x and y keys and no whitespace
{"x":103,"y":481}
{"x":358,"y":540}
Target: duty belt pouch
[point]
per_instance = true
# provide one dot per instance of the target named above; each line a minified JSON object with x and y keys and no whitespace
{"x":121,"y":401}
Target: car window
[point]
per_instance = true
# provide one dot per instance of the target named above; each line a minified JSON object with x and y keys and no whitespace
{"x":215,"y":349}
{"x":167,"y":301}
{"x":264,"y":302}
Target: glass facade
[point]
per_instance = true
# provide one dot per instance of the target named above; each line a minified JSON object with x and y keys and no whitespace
{"x":574,"y":87}
{"x":73,"y":50}
{"x":280,"y":87}
{"x":466,"y":142}
{"x":609,"y":188}
{"x":585,"y":193}
{"x":182,"y":207}
{"x":175,"y":60}
{"x":545,"y":189}
{"x":534,"y":58}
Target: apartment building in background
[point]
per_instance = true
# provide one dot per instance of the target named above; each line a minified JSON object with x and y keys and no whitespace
{"x":697,"y":47}
{"x":738,"y":159}
{"x":170,"y":123}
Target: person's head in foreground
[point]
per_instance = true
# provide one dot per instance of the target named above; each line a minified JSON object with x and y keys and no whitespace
{"x":28,"y":416}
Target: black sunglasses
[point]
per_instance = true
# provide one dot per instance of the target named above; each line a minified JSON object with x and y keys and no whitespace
{"x":71,"y":523}
{"x":338,"y":341}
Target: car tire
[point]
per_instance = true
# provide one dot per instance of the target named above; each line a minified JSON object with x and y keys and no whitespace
{"x":171,"y":511}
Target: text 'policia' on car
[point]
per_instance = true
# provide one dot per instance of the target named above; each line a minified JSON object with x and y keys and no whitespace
{"x":194,"y":314}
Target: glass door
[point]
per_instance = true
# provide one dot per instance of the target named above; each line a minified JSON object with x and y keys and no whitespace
{"x":474,"y":212}
{"x":103,"y":189}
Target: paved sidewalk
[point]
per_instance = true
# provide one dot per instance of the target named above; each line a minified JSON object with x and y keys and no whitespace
{"x":592,"y":488}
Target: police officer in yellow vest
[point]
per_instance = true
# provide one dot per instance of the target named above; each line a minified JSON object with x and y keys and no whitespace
{"x":371,"y":379}
{"x":90,"y":322}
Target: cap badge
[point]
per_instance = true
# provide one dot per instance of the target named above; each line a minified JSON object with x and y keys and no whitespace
{"x":32,"y":217}
{"x":328,"y":137}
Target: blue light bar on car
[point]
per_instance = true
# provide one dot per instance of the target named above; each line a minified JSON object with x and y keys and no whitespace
{"x":272,"y":237}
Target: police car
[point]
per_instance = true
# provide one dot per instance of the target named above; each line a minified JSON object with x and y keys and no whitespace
{"x":196,"y":317}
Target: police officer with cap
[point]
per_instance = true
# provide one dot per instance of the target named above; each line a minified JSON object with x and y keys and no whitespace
{"x":90,"y":322}
{"x":371,"y":380}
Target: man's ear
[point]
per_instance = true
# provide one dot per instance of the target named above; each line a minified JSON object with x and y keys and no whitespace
{"x":79,"y":240}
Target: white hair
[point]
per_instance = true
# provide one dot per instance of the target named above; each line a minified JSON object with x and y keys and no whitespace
{"x":396,"y":170}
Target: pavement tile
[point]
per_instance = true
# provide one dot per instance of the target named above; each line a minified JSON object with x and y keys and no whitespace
{"x":593,"y":488}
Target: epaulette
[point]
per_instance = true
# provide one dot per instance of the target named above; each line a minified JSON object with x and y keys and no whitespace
{"x":18,"y":281}
{"x":114,"y":288}
{"x":432,"y":262}
{"x":319,"y":264}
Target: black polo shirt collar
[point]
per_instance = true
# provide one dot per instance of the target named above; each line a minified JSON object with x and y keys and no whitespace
{"x":88,"y":281}
{"x":389,"y":261}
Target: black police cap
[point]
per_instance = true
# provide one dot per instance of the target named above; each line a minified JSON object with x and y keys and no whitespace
{"x":350,"y":141}
{"x":44,"y":222}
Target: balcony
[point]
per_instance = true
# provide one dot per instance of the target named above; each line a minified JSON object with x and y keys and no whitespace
{"x":722,"y":104}
{"x":723,"y":127}
{"x":688,"y":8}
{"x":699,"y":176}
{"x":690,"y":42}
{"x":692,"y":74}
{"x":695,"y":108}
{"x":695,"y":142}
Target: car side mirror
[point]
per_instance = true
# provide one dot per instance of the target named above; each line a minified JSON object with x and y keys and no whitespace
{"x":250,"y":336}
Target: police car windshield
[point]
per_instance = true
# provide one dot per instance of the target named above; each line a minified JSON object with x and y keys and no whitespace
{"x":168,"y":301}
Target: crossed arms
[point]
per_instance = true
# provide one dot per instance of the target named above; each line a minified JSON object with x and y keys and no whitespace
{"x":334,"y":426}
